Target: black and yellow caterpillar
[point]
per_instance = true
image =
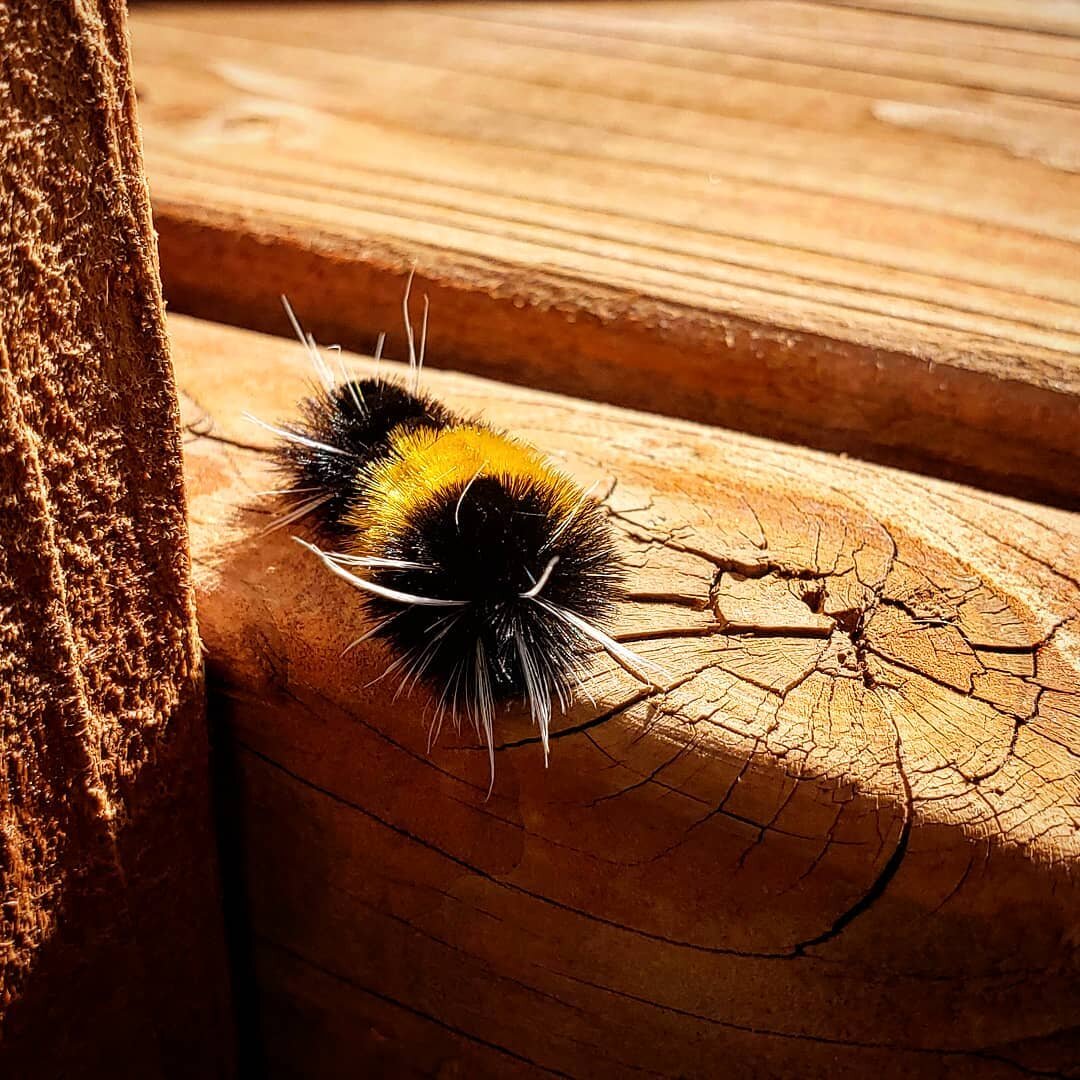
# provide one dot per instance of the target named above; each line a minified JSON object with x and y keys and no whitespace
{"x":484,"y":567}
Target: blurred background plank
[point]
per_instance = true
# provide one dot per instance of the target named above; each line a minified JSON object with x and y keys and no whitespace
{"x":111,"y":940}
{"x":832,"y":224}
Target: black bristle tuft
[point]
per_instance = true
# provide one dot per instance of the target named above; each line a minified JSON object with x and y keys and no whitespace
{"x":489,"y":548}
{"x":356,"y":419}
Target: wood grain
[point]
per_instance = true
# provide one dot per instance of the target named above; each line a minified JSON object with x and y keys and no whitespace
{"x":111,"y":952}
{"x":845,"y":227}
{"x":842,"y":840}
{"x":1040,"y":16}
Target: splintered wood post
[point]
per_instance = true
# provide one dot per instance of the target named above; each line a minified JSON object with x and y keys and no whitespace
{"x":111,"y":957}
{"x":840,"y":840}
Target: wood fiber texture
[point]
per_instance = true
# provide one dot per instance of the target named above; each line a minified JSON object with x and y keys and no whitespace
{"x":111,"y":957}
{"x":844,"y":226}
{"x":841,"y":840}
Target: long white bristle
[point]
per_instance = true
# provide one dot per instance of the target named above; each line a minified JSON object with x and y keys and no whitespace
{"x":634,"y":663}
{"x":296,"y":437}
{"x":376,"y":590}
{"x":322,"y":369}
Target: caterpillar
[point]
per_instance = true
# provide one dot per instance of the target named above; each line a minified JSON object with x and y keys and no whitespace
{"x":487,"y":571}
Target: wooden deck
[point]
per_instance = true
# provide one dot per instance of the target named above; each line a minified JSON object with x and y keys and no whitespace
{"x":809,"y":242}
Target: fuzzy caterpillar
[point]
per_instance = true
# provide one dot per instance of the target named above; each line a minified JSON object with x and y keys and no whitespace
{"x":485,"y":569}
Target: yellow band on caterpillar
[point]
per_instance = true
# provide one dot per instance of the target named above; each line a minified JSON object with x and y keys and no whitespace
{"x":425,"y":462}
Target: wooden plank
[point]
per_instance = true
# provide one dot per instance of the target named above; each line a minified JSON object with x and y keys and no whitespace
{"x":111,"y":952}
{"x":841,"y":841}
{"x":1041,"y":16}
{"x":849,"y":228}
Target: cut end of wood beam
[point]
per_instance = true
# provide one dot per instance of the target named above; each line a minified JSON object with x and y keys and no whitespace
{"x":847,"y":816}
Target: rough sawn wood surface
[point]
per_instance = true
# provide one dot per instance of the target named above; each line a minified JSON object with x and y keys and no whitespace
{"x":841,"y":840}
{"x":111,"y":956}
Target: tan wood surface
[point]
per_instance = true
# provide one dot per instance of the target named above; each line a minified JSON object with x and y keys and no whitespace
{"x":1043,"y":16}
{"x":111,"y":953}
{"x":851,"y":228}
{"x":841,"y":840}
